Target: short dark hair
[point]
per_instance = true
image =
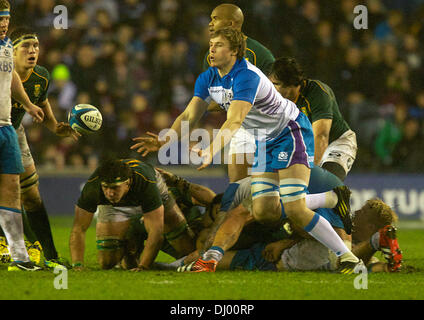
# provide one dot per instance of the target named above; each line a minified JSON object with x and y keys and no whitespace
{"x":235,"y":38}
{"x":4,"y":4}
{"x":114,"y":170}
{"x":21,"y":31}
{"x":288,"y":71}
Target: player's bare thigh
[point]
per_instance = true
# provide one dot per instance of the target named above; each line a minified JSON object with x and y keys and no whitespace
{"x":9,"y":191}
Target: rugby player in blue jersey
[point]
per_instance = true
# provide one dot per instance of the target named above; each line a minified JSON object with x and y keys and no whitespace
{"x":284,"y":139}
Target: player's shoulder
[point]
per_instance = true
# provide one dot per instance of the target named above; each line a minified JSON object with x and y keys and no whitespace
{"x":41,"y":72}
{"x":245,"y":70}
{"x":142,"y":171}
{"x":318,"y":85}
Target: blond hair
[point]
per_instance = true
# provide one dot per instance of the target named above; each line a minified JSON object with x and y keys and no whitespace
{"x":381,"y":213}
{"x":235,"y":38}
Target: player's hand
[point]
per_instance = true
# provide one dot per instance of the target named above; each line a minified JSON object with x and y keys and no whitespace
{"x":35,"y":112}
{"x":64,"y":130}
{"x":145,"y":145}
{"x":272,"y":252}
{"x":139,"y":268}
{"x":207,"y":158}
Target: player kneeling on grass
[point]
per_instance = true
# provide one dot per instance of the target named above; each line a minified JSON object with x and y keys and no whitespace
{"x":119,"y":190}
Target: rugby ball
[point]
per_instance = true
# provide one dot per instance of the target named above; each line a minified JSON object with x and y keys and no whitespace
{"x":85,"y":118}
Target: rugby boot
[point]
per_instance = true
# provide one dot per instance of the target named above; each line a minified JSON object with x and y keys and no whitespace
{"x":199,"y":266}
{"x":342,"y":207}
{"x":389,"y":246}
{"x":23,"y":266}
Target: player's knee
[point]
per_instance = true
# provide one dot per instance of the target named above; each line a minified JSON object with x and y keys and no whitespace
{"x":292,"y":194}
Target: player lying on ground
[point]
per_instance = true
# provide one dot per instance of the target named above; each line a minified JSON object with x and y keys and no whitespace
{"x":229,"y":231}
{"x":36,"y":81}
{"x":373,"y":231}
{"x":321,"y":181}
{"x":119,"y":190}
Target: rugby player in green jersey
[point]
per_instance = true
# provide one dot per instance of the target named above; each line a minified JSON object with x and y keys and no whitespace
{"x":119,"y":190}
{"x":335,"y":142}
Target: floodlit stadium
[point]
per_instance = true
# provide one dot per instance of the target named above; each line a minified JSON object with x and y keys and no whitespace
{"x":180,"y":150}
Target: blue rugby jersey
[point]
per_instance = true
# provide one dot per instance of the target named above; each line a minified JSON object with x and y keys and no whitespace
{"x":270,"y":111}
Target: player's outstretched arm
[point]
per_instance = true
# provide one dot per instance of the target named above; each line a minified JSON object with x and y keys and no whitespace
{"x":82,"y":221}
{"x":19,"y":94}
{"x":61,"y":129}
{"x":153,"y":221}
{"x":191,"y":115}
{"x":235,"y":116}
{"x":200,"y":195}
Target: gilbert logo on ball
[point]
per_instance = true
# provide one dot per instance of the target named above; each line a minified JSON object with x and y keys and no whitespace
{"x":85,"y":118}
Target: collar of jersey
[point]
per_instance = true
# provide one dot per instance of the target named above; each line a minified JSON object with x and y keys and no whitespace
{"x":232,"y":71}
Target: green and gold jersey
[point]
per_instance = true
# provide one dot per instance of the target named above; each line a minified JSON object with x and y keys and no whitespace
{"x":143,"y":191}
{"x":317,"y":101}
{"x":36,"y":87}
{"x":256,"y":54}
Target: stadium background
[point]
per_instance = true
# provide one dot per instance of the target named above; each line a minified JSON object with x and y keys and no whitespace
{"x":138,"y":60}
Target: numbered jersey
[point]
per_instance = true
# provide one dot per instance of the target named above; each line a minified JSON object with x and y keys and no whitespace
{"x":6,"y":69}
{"x":36,"y":86}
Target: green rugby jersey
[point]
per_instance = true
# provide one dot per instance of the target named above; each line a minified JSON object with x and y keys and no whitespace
{"x":256,"y":54}
{"x":143,"y":190}
{"x":36,"y":87}
{"x":317,"y":101}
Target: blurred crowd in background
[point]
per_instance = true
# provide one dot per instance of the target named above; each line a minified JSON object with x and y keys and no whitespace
{"x":137,"y":61}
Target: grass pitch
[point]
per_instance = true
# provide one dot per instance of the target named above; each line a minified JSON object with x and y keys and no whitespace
{"x":229,"y":285}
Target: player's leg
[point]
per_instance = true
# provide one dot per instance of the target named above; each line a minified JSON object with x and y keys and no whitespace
{"x":177,"y":232}
{"x":10,"y":213}
{"x":340,"y":155}
{"x":293,"y":181}
{"x":176,"y":229}
{"x":110,"y":239}
{"x":31,"y":200}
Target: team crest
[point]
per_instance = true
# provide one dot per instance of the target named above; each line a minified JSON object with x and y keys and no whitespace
{"x":37,"y":90}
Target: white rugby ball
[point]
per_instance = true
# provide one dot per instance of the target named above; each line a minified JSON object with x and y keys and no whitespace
{"x":85,"y":118}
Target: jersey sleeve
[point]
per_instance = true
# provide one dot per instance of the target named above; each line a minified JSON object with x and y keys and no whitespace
{"x":321,"y":103}
{"x":202,"y":85}
{"x":89,"y":198}
{"x":245,"y":86}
